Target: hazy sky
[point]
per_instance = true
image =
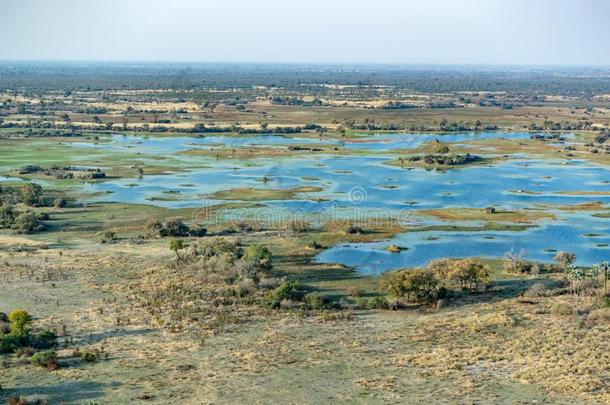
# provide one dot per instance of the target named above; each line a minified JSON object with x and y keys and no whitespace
{"x":370,"y":31}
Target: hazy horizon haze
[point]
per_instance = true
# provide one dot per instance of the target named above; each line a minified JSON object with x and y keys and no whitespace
{"x":467,"y":32}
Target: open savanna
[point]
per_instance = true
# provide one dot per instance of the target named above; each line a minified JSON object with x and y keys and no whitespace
{"x":492,"y":346}
{"x":141,"y":109}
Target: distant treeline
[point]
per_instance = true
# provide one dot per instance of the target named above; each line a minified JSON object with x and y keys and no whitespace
{"x":582,"y":81}
{"x":51,"y":129}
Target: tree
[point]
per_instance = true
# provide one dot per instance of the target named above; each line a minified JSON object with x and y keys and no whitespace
{"x":576,"y":277}
{"x":441,"y":269}
{"x":176,"y":245}
{"x":604,"y":267}
{"x":515,"y":263}
{"x":174,"y":227}
{"x":31,"y":194}
{"x":565,"y":259}
{"x":20,"y":321}
{"x":419,"y":285}
{"x":469,"y":273}
{"x":28,"y":222}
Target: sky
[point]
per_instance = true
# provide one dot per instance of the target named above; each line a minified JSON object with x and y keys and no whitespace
{"x":500,"y":32}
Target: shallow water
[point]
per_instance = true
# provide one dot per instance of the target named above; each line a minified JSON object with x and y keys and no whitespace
{"x":539,"y":243}
{"x":383,"y":142}
{"x":367,"y":183}
{"x":170,"y":145}
{"x":387,"y":142}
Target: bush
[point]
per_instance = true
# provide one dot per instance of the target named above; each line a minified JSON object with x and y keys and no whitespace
{"x":287,"y":291}
{"x":361,"y":303}
{"x":354,"y":230}
{"x":26,"y":351}
{"x":31,"y":194}
{"x":314,"y":301}
{"x":88,"y":356}
{"x":7,"y":216}
{"x":395,"y":249}
{"x":27,"y":222}
{"x":44,"y":359}
{"x":219,"y":247}
{"x":107,"y":237}
{"x":379,"y":303}
{"x":60,"y":202}
{"x":9,"y":344}
{"x":176,"y":244}
{"x":174,"y":227}
{"x":258,"y":255}
{"x":441,"y":148}
{"x":44,"y":340}
{"x":197,"y":231}
{"x":27,"y":169}
{"x":314,"y":245}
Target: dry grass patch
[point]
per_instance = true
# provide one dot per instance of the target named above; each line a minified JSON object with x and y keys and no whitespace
{"x":479,"y":214}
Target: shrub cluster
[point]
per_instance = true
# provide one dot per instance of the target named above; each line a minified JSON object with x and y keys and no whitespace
{"x":445,"y":159}
{"x":15,"y":335}
{"x":174,"y":227}
{"x":437,"y":280}
{"x":25,"y":220}
{"x":292,"y":295}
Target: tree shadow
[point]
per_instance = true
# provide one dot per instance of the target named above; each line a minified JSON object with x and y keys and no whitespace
{"x":68,"y":392}
{"x":504,"y":289}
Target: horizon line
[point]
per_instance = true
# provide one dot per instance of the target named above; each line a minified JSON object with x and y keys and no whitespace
{"x":285,"y":63}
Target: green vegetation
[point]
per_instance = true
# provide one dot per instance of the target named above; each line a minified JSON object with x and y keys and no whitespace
{"x":15,"y":207}
{"x":259,"y":256}
{"x":16,"y":335}
{"x":174,"y":227}
{"x":47,"y":358}
{"x":435,"y":282}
